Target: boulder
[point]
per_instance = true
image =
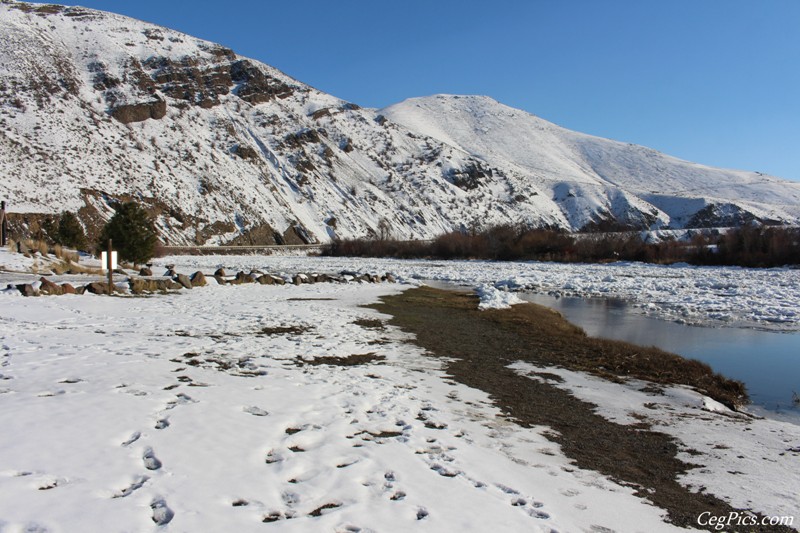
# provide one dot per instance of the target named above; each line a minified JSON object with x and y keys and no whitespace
{"x":390,"y":278}
{"x":279,"y":280}
{"x":241,"y":277}
{"x":198,"y":279}
{"x":139,"y":285}
{"x":266,"y":279}
{"x":27,"y":289}
{"x":184,"y":280}
{"x":220,"y":272}
{"x":48,"y":287}
{"x":68,"y":289}
{"x":145,"y":272}
{"x":97,"y":287}
{"x":220,"y":279}
{"x":170,"y":285}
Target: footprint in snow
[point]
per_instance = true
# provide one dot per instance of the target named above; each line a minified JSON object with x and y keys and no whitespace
{"x":273,"y":457}
{"x":137,"y":484}
{"x":538,"y":514}
{"x":290,"y":498}
{"x":443,"y":471}
{"x":53,"y":483}
{"x":274,"y":516}
{"x":255,"y":411}
{"x":507,"y":490}
{"x":181,"y":399}
{"x":151,"y":462}
{"x":133,"y":438}
{"x":162,"y":514}
{"x":162,"y":423}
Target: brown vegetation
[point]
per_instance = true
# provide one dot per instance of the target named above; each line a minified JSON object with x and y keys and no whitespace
{"x":746,"y":246}
{"x":479,"y":345}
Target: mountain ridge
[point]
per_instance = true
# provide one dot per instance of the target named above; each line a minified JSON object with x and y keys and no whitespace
{"x":97,"y":108}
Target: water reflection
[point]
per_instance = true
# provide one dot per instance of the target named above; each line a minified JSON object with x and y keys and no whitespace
{"x":767,"y":362}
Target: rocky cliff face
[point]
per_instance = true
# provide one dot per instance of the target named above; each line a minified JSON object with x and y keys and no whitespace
{"x":96,"y":108}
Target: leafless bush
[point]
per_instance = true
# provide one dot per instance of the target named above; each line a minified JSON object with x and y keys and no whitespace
{"x":746,"y":246}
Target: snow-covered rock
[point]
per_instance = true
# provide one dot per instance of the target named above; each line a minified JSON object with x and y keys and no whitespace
{"x":494,"y":298}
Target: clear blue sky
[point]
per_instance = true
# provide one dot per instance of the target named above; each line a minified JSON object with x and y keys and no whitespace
{"x":711,"y":81}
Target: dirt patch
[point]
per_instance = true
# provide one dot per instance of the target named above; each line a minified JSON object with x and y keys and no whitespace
{"x":370,"y":323}
{"x":351,"y":360}
{"x":479,"y":345}
{"x":284,"y":330}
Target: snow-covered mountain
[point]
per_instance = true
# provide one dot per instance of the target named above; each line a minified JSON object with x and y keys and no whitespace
{"x":96,"y":107}
{"x":589,"y":178}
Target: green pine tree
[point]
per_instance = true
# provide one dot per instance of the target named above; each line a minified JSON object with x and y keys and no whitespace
{"x":69,"y":232}
{"x":133,"y":233}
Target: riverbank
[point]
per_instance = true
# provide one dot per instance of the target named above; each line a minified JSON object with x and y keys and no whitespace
{"x":480,"y":347}
{"x":706,"y":296}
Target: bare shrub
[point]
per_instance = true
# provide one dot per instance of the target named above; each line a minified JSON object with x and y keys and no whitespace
{"x":747,"y":246}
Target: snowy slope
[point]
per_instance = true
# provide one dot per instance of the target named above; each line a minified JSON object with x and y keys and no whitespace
{"x":96,"y":107}
{"x":581,"y":172}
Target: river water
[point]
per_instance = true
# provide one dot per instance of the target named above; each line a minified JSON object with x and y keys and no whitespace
{"x":767,"y":362}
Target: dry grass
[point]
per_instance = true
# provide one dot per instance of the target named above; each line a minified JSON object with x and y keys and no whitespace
{"x":36,"y":246}
{"x":74,"y":268}
{"x":540,"y":335}
{"x":477,"y":347}
{"x":64,"y":254}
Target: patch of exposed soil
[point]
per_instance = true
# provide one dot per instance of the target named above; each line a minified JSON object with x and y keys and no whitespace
{"x":350,"y":360}
{"x":284,"y":330}
{"x":479,"y":345}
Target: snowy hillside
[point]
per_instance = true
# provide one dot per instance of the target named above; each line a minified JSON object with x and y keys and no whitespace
{"x":588,"y":176}
{"x":96,"y":107}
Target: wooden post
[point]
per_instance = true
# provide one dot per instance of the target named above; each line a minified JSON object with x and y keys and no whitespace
{"x":3,"y":224}
{"x":110,"y":271}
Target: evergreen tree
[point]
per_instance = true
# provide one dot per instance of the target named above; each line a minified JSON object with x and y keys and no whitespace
{"x":133,"y":234}
{"x":69,"y":232}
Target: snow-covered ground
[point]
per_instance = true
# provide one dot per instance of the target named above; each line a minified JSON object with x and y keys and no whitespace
{"x":729,"y":296}
{"x":203,"y":410}
{"x":738,"y":453}
{"x":196,"y":410}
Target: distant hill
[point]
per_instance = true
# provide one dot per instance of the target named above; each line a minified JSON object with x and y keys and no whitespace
{"x":97,"y":108}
